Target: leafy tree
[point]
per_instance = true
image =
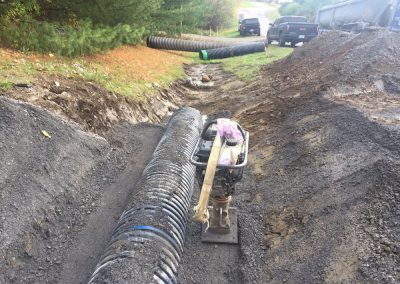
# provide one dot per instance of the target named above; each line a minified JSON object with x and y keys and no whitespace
{"x":306,"y":8}
{"x":17,"y":10}
{"x":78,"y":27}
{"x":220,"y":13}
{"x":188,"y":15}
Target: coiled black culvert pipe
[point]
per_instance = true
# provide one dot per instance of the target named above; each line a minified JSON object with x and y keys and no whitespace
{"x":226,"y":52}
{"x":184,"y":45}
{"x":147,"y":243}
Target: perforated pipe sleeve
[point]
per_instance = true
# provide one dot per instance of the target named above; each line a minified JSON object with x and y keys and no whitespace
{"x":226,"y":52}
{"x":147,"y":244}
{"x":187,"y":45}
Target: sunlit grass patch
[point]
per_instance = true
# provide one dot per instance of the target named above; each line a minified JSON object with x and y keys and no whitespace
{"x":246,"y":67}
{"x":129,"y":71}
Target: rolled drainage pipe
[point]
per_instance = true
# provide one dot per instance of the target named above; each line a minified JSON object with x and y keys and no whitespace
{"x":184,"y":45}
{"x":147,"y":243}
{"x":232,"y":51}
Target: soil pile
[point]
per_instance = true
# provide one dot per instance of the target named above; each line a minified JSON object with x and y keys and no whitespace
{"x":333,"y":54}
{"x":325,"y":169}
{"x":56,"y":189}
{"x":360,"y":70}
{"x":321,"y":198}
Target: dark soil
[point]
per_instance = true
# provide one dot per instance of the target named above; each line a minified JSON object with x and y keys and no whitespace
{"x":320,"y":200}
{"x":94,"y":108}
{"x":61,"y":196}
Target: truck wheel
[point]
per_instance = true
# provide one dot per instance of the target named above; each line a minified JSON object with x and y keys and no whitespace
{"x":282,"y":42}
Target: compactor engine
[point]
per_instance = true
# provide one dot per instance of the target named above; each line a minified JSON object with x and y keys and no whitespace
{"x":220,"y":158}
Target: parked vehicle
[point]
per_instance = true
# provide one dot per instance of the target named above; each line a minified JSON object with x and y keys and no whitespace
{"x":356,"y":15}
{"x":293,"y":29}
{"x":250,"y":26}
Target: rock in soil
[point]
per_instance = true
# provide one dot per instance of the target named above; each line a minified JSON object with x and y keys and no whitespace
{"x":206,"y":78}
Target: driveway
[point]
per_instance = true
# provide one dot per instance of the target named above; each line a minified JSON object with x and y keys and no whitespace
{"x":260,"y":11}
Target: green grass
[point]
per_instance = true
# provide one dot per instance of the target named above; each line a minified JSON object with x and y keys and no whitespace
{"x":97,"y":73}
{"x":247,"y":5}
{"x":230,"y":33}
{"x":247,"y":66}
{"x":6,"y":85}
{"x":25,"y":71}
{"x":15,"y":71}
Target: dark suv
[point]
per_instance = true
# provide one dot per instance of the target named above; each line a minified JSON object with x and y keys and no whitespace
{"x":249,"y":26}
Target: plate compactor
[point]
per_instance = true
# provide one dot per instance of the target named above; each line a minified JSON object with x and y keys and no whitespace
{"x":220,"y":157}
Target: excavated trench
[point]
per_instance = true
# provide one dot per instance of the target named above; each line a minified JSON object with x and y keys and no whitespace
{"x":61,"y":196}
{"x":319,"y":201}
{"x":59,"y":216}
{"x":320,"y":197}
{"x":322,"y":180}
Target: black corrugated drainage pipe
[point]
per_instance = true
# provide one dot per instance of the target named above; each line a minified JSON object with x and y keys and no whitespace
{"x":226,"y":52}
{"x":184,"y":45}
{"x":147,"y":244}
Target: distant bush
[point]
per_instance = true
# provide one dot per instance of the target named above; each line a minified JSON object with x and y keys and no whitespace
{"x":80,"y":39}
{"x":77,"y":27}
{"x":307,"y":8}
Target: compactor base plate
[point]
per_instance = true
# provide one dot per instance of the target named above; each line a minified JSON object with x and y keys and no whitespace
{"x":211,"y":236}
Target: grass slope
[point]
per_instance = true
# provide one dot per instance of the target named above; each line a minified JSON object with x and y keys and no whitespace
{"x":248,"y":66}
{"x":127,"y":70}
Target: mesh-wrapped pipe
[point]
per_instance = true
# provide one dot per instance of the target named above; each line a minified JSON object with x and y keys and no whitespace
{"x":147,"y":244}
{"x":184,"y":45}
{"x":226,"y":52}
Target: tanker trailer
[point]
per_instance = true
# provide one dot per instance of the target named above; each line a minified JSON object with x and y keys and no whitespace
{"x":395,"y":26}
{"x":356,"y":14}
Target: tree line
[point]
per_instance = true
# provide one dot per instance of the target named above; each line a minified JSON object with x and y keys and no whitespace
{"x":306,"y":8}
{"x":77,"y":27}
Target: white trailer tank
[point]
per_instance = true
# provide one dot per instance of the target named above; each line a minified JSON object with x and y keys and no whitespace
{"x":353,"y":12}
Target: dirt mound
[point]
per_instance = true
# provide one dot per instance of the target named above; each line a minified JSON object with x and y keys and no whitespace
{"x":93,"y":107}
{"x":322,"y":192}
{"x":352,"y":56}
{"x":360,"y":70}
{"x":56,"y":190}
{"x":323,"y":166}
